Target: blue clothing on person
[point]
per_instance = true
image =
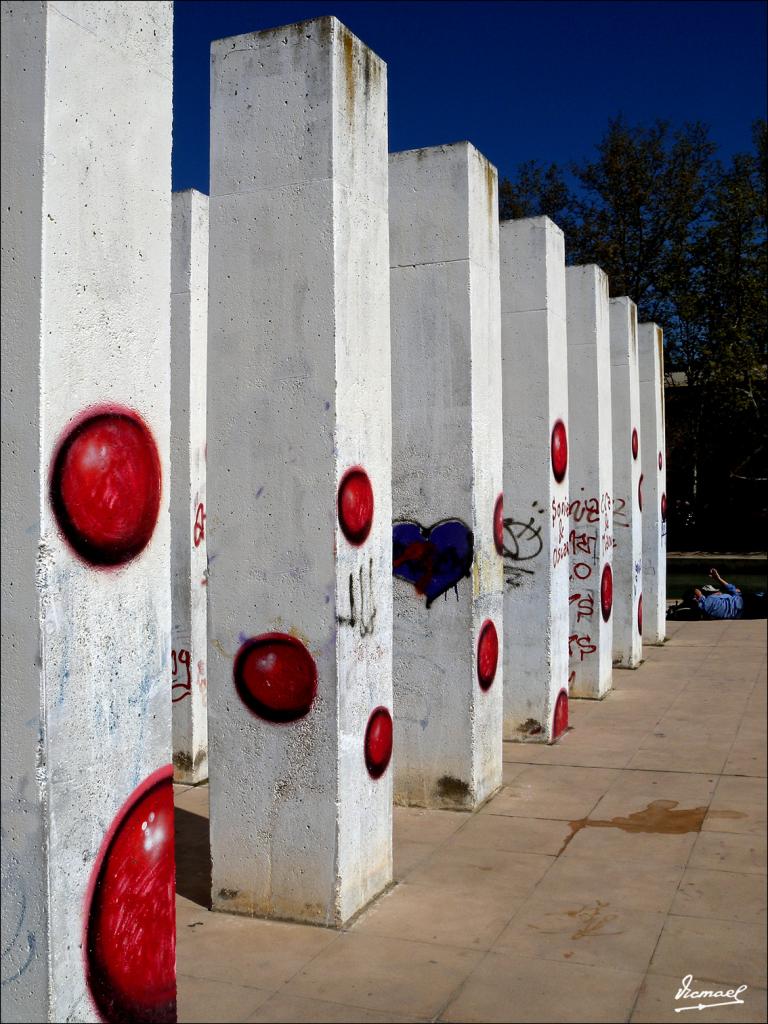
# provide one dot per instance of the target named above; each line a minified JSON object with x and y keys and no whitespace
{"x":729,"y":605}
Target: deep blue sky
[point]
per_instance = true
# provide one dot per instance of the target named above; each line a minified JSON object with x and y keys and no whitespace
{"x":521,"y":80}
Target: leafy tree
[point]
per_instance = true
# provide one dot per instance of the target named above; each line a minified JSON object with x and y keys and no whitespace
{"x":685,"y":237}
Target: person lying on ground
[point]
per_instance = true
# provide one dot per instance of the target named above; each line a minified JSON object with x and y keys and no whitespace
{"x":708,"y":602}
{"x":715,"y":605}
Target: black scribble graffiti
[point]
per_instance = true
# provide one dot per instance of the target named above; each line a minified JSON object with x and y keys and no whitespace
{"x":524,"y":540}
{"x":363,"y":619}
{"x":13,"y":949}
{"x":514,"y":575}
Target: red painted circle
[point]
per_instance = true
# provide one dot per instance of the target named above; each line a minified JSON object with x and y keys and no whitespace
{"x":130,"y":940}
{"x":498,"y":524}
{"x":635,"y":443}
{"x":355,"y":505}
{"x":487,"y":654}
{"x":606,"y":592}
{"x":378,"y":742}
{"x":560,"y":723}
{"x":276,"y":677}
{"x":559,"y":451}
{"x":664,"y":508}
{"x":640,"y":615}
{"x":105,"y":486}
{"x":661,"y":461}
{"x":640,"y":491}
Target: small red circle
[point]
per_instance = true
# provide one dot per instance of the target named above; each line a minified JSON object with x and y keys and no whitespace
{"x":487,"y":654}
{"x":276,"y":677}
{"x":560,"y":723}
{"x":105,"y":486}
{"x":640,"y":491}
{"x":498,"y":524}
{"x":355,"y":505}
{"x":606,"y":592}
{"x":130,"y":929}
{"x":661,"y":461}
{"x":635,"y":443}
{"x":640,"y":615}
{"x":664,"y":508}
{"x":378,"y":742}
{"x":559,"y":451}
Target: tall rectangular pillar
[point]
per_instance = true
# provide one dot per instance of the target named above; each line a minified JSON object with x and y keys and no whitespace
{"x":87,"y":796}
{"x":299,"y":475}
{"x":536,"y":539}
{"x":654,"y":483}
{"x":590,"y":642}
{"x":627,"y":523}
{"x":447,"y":476}
{"x":189,"y":564}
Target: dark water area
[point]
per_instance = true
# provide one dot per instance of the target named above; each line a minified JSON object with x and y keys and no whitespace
{"x":678,"y":581}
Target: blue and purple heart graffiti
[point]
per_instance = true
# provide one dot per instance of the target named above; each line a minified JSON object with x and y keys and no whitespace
{"x":433,"y":558}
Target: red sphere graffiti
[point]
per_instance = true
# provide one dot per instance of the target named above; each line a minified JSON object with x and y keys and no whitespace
{"x":276,"y":677}
{"x":560,"y":723}
{"x":378,"y":742}
{"x":635,"y":443}
{"x":105,"y":486}
{"x":661,"y":461}
{"x":640,"y":615}
{"x":498,"y":524}
{"x":640,"y":491}
{"x":606,"y":592}
{"x":355,"y":505}
{"x":130,"y":940}
{"x":559,"y":451}
{"x":664,"y":508}
{"x":487,"y":654}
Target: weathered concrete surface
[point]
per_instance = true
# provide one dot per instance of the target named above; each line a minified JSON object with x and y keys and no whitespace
{"x":299,"y":386}
{"x":189,"y":564}
{"x":627,"y":517}
{"x":536,"y":540}
{"x":447,"y":476}
{"x":25,"y":951}
{"x":609,"y":867}
{"x":590,"y":641}
{"x":654,"y":486}
{"x":86,"y":347}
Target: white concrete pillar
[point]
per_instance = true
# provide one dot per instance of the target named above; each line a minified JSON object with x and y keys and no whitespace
{"x":536,"y":541}
{"x":88,"y":864}
{"x":189,"y":567}
{"x":299,"y":475}
{"x":447,"y":476}
{"x":590,"y":642}
{"x":627,"y":524}
{"x":653,"y":489}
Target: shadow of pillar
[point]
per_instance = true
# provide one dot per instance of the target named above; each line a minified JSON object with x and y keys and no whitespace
{"x":193,"y":858}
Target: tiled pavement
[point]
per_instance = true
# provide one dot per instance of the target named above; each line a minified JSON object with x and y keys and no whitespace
{"x":609,"y":866}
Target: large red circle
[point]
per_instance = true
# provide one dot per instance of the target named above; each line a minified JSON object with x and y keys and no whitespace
{"x":640,"y":615}
{"x":498,"y":524}
{"x":560,"y":723}
{"x":664,"y":508}
{"x":606,"y":592}
{"x":559,"y":451}
{"x":355,"y":505}
{"x":105,"y":486}
{"x":130,"y":940}
{"x":635,"y":443}
{"x":378,"y":742}
{"x":640,"y":491}
{"x":276,"y":677}
{"x":487,"y":654}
